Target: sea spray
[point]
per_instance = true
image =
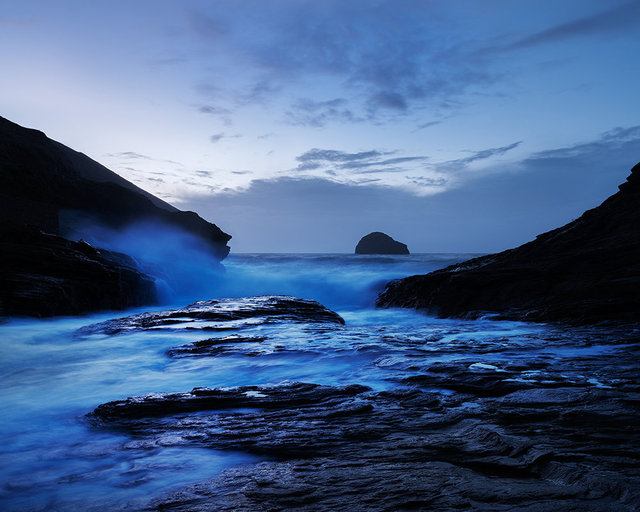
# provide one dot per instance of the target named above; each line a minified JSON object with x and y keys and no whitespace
{"x":186,"y":270}
{"x":184,"y":266}
{"x":339,"y":281}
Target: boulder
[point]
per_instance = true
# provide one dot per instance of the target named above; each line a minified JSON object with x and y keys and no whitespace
{"x":585,"y":272}
{"x":380,"y":243}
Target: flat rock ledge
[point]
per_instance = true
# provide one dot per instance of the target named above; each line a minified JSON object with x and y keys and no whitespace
{"x":221,"y":315}
{"x":349,"y":447}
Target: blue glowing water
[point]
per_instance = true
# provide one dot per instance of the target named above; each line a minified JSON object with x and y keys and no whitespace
{"x":52,"y":459}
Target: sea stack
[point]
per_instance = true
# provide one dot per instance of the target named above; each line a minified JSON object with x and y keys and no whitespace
{"x":380,"y":243}
{"x":585,"y":272}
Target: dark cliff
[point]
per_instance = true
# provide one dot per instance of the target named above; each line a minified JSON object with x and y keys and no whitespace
{"x":47,"y":191}
{"x":46,"y":184}
{"x":587,"y":271}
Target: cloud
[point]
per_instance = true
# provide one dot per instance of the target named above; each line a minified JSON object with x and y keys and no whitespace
{"x":207,"y":26}
{"x":617,"y":140}
{"x":486,"y":213}
{"x":422,"y":181}
{"x":217,"y":137}
{"x":341,"y":160}
{"x":608,"y":22}
{"x":415,"y":173}
{"x":386,"y":60}
{"x":132,"y":155}
{"x":307,"y":112}
{"x":429,"y":124}
{"x":461,"y":163}
{"x":388,"y":100}
{"x":170,"y":61}
{"x":334,"y":156}
{"x":213,"y":110}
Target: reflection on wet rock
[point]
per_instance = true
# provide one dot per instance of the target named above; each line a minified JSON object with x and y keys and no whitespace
{"x":221,"y":313}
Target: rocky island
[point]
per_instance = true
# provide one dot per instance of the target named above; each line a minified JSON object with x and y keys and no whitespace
{"x":585,"y":272}
{"x":47,"y":191}
{"x":380,"y":243}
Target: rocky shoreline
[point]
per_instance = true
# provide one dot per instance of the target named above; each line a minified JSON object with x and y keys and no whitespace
{"x":532,"y":422}
{"x":585,"y":272}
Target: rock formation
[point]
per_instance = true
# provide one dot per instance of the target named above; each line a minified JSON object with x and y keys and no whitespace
{"x":46,"y":275}
{"x":379,"y":243}
{"x":538,"y":420}
{"x":584,"y":272}
{"x":46,"y":191}
{"x":48,"y":185}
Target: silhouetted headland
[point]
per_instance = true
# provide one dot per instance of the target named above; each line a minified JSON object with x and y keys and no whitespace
{"x":48,"y":192}
{"x":585,"y":272}
{"x":380,"y":243}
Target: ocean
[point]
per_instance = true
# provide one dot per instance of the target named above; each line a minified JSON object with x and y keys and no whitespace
{"x":53,"y":458}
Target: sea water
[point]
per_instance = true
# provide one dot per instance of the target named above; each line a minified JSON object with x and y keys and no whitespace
{"x":52,"y":458}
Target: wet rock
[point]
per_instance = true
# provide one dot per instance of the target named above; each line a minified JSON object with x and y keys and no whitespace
{"x":485,"y":380}
{"x":207,"y":399}
{"x":221,"y":314}
{"x":396,"y":450}
{"x":380,"y":243}
{"x":585,"y":272}
{"x":212,"y":346}
{"x":45,"y":275}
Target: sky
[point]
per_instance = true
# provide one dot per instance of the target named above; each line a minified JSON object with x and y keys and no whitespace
{"x":301,"y":126}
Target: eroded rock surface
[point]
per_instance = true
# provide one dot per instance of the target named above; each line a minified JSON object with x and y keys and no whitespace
{"x":221,"y":315}
{"x":537,"y":421}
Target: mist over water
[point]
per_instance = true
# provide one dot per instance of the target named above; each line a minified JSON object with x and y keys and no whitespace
{"x":185,"y":271}
{"x":339,"y":281}
{"x":181,"y":263}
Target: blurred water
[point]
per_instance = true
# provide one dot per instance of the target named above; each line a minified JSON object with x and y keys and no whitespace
{"x":52,"y":459}
{"x":346,"y":281}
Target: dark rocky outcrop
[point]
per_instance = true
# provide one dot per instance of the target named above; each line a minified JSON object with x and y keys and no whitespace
{"x":49,"y":191}
{"x":221,"y":315}
{"x":44,"y":275}
{"x":48,"y":185}
{"x":587,"y":271}
{"x":379,"y":243}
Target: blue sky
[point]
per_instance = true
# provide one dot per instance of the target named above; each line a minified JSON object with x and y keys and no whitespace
{"x":301,"y":126}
